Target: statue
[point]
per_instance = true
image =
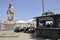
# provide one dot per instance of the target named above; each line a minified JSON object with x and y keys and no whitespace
{"x":10,"y":13}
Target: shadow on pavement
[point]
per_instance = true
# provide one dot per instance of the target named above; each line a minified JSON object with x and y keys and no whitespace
{"x":33,"y":37}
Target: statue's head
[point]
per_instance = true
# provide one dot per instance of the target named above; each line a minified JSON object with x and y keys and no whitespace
{"x":10,"y":5}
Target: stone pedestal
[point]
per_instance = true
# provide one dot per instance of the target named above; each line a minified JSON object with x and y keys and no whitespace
{"x":8,"y":25}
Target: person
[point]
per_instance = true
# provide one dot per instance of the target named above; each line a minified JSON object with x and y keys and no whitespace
{"x":51,"y":25}
{"x":48,"y":25}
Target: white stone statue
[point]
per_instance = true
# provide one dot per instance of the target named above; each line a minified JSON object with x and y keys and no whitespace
{"x":10,"y":13}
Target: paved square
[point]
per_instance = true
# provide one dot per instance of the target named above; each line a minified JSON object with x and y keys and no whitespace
{"x":21,"y":36}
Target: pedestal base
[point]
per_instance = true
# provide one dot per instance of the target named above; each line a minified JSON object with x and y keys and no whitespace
{"x":9,"y":25}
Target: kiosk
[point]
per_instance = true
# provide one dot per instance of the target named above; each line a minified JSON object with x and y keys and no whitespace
{"x":48,"y":31}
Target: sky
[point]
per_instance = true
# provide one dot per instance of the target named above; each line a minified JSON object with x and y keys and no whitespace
{"x":28,"y":9}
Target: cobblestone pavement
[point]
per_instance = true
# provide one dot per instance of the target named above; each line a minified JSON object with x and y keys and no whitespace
{"x":22,"y":36}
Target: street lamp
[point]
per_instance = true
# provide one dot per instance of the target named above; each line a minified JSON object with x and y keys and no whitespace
{"x":42,"y":7}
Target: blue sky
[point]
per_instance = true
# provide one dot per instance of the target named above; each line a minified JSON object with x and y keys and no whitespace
{"x":27,"y":9}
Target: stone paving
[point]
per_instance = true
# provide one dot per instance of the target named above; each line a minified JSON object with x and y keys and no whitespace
{"x":8,"y":34}
{"x":21,"y":36}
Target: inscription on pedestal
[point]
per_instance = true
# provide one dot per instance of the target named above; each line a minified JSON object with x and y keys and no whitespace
{"x":9,"y":27}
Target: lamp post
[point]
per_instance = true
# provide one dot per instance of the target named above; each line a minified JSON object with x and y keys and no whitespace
{"x":42,"y":7}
